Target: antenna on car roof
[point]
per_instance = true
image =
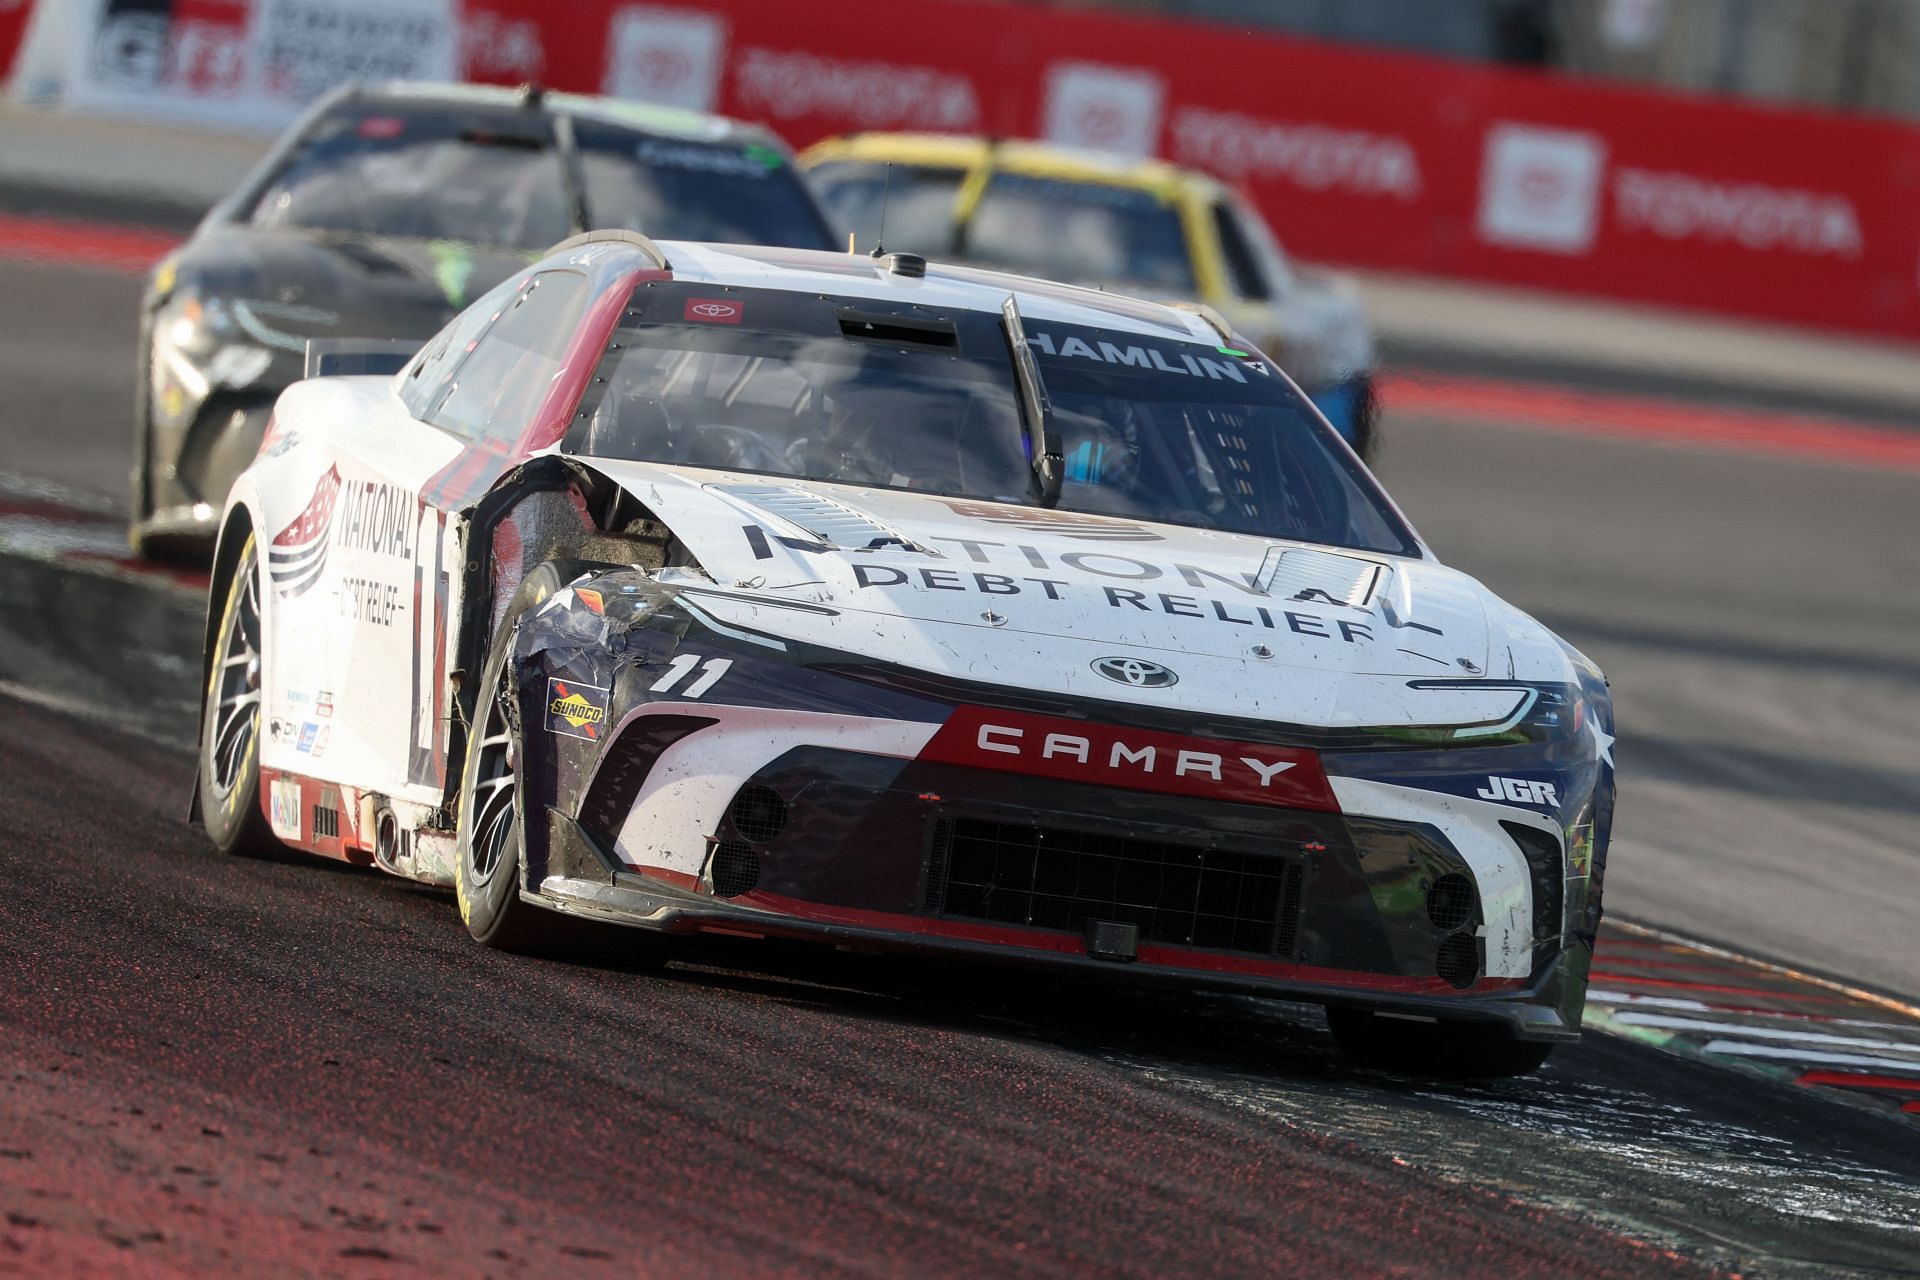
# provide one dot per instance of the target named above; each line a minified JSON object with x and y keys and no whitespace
{"x":886,"y":195}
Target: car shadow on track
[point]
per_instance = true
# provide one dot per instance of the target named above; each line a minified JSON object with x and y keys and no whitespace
{"x":1096,"y":1017}
{"x":1680,"y":1147}
{"x":1662,"y":1142}
{"x":1099,"y":1018}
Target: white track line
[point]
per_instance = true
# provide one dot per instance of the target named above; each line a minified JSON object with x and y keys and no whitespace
{"x":104,"y":716}
{"x":1767,"y":1033}
{"x":13,"y":484}
{"x":1735,"y":1049}
{"x":1597,"y":996}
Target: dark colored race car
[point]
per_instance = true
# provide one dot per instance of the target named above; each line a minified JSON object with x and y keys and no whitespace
{"x":691,"y":587}
{"x":382,"y":213}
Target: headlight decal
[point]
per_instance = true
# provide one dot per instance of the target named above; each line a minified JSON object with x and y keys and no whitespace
{"x":252,"y":318}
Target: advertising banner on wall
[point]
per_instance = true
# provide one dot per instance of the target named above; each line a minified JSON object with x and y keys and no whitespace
{"x":14,"y":15}
{"x":1356,"y":156}
{"x":247,"y":64}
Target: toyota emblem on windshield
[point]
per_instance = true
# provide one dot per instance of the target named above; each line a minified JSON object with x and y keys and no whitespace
{"x":1137,"y":672}
{"x":711,"y":311}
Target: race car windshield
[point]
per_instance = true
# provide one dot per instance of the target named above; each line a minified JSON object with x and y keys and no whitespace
{"x":1087,"y":232}
{"x":500,"y":179}
{"x":848,"y":391}
{"x":680,"y":190}
{"x":440,"y":176}
{"x":905,"y":206}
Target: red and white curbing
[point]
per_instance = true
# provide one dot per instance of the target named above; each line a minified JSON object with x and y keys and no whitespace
{"x":1706,"y":1002}
{"x":1567,"y":410}
{"x":47,"y":522}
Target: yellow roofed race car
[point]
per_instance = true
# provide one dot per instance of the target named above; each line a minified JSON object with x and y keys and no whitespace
{"x":1091,"y":218}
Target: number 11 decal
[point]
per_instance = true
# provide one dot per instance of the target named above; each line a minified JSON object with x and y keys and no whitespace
{"x":683,"y":666}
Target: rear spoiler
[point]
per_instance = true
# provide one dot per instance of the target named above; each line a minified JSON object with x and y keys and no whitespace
{"x":351,"y":357}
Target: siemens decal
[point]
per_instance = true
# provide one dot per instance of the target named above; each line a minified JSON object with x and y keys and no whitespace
{"x":380,"y":518}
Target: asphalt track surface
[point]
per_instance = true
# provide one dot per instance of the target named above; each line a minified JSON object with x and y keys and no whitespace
{"x":214,"y":1066}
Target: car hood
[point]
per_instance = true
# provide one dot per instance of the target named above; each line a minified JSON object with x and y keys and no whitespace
{"x":1010,"y":594}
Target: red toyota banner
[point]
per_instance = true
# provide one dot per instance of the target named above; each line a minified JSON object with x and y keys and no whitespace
{"x":13,"y":32}
{"x":1360,"y":157}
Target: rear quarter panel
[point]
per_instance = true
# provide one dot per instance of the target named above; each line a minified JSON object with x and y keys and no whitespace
{"x":357,"y":581}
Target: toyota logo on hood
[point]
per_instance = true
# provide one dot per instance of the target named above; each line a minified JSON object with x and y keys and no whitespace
{"x":1135,"y":672}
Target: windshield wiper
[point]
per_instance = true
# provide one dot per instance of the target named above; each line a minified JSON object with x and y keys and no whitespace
{"x":1041,"y":440}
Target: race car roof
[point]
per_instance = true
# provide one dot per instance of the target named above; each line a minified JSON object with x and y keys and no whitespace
{"x":860,"y":276}
{"x":1035,"y":159}
{"x":665,"y":122}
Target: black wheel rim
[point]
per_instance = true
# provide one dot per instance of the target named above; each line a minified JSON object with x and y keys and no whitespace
{"x":494,"y":810}
{"x":236,"y":685}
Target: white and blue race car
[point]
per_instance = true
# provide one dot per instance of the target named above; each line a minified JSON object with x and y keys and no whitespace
{"x":691,"y":587}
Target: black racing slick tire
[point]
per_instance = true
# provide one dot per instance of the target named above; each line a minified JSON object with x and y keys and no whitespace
{"x":229,"y":775}
{"x":492,"y":841}
{"x":1442,"y":1050}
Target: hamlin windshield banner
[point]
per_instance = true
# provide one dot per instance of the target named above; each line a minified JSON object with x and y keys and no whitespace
{"x":1359,"y":157}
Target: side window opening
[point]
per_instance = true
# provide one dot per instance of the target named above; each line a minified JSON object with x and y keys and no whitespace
{"x":495,"y":391}
{"x":1243,"y":264}
{"x":425,"y":380}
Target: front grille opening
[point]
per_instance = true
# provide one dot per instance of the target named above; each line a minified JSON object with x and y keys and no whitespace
{"x":1054,"y":878}
{"x":1450,"y":901}
{"x":758,"y":813}
{"x":624,"y":770}
{"x":1547,"y":866}
{"x":736,"y":869}
{"x":1458,"y":960}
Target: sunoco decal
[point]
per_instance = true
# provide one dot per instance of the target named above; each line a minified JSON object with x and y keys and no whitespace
{"x":576,"y":710}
